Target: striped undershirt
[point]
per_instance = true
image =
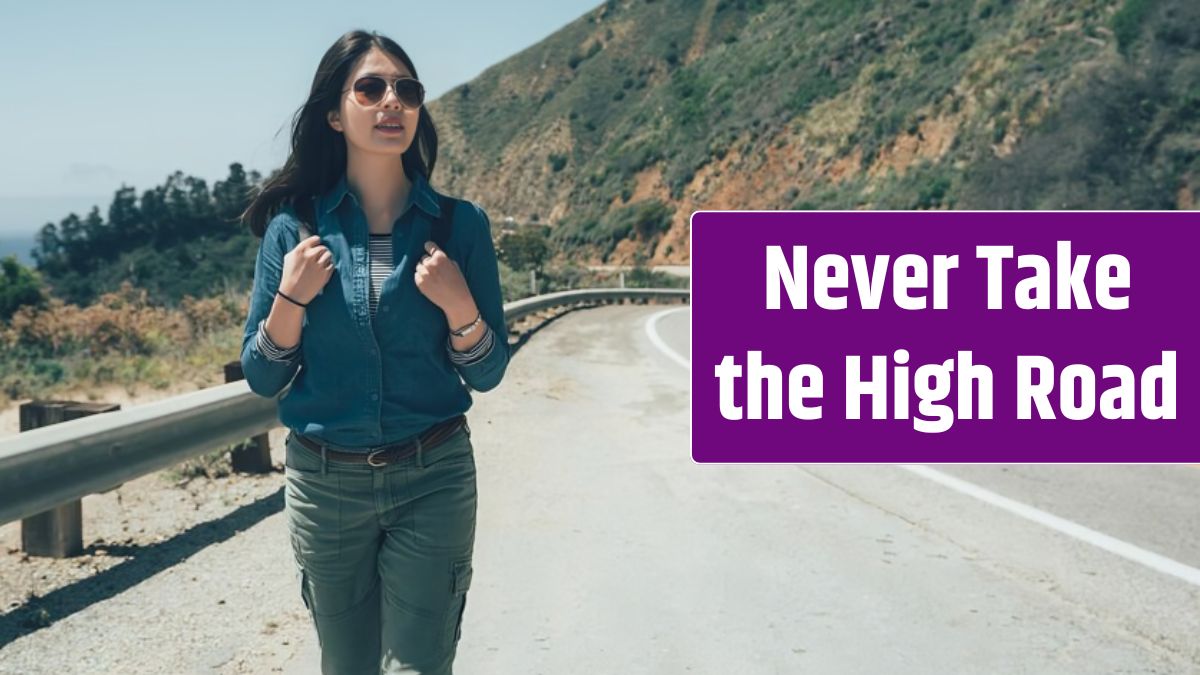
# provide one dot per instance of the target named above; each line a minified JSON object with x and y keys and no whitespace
{"x":380,"y":256}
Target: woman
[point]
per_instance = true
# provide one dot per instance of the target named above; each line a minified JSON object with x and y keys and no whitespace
{"x":376,"y":327}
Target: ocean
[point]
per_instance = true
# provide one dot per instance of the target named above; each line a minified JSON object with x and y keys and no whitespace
{"x":22,"y":217}
{"x":18,"y":244}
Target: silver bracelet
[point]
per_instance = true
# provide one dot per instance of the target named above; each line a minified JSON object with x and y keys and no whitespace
{"x":469,"y":328}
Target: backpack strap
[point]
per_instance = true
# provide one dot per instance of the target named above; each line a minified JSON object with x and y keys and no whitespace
{"x":444,"y":225}
{"x":309,"y":214}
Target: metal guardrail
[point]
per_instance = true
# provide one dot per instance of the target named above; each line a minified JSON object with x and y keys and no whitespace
{"x":45,"y":467}
{"x":515,"y":311}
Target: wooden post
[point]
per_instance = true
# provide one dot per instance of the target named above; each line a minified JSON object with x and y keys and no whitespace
{"x":57,"y":532}
{"x":255,"y":458}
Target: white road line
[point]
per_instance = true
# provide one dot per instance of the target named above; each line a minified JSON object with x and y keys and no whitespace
{"x":1070,"y":528}
{"x":652,"y":333}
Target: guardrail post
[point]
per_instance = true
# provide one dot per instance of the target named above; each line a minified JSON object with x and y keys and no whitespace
{"x":622,"y":280}
{"x":57,"y":532}
{"x":255,"y":457}
{"x":533,"y":282}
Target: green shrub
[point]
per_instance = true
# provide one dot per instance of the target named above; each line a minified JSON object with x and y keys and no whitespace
{"x":933,"y":194}
{"x":19,"y":286}
{"x":999,"y":128}
{"x":1127,"y":22}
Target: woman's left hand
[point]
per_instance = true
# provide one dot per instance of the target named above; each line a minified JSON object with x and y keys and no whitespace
{"x":440,"y":279}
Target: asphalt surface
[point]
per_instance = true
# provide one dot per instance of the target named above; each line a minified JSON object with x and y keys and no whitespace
{"x":606,"y":549}
{"x":603,"y":548}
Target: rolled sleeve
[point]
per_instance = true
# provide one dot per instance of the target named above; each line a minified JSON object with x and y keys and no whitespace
{"x":479,"y":352}
{"x":482,"y":367}
{"x":266,"y":367}
{"x":271,"y":350}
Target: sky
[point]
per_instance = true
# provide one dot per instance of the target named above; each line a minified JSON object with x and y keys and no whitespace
{"x":94,"y":95}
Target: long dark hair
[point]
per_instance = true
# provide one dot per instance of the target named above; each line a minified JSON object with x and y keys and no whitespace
{"x":318,"y":156}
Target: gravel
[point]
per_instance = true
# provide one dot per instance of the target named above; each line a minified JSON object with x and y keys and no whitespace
{"x":166,"y":591}
{"x":181,"y":573}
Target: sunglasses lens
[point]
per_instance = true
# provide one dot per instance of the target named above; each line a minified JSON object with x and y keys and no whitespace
{"x":369,"y":90}
{"x":410,"y":93}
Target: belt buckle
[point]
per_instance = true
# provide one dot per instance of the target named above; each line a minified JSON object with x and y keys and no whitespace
{"x":371,"y":461}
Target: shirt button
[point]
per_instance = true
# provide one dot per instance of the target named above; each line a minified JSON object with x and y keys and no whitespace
{"x":374,"y":397}
{"x":384,"y":308}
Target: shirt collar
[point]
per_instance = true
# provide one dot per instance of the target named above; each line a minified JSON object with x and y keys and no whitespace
{"x":422,"y":195}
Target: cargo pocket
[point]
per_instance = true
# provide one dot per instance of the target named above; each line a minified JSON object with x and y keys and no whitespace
{"x":306,"y":596}
{"x":458,"y":605}
{"x":304,"y":591}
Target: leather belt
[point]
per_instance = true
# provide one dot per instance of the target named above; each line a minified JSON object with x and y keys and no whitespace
{"x":386,"y":454}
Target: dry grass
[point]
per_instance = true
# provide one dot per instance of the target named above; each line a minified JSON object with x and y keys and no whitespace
{"x":119,"y":340}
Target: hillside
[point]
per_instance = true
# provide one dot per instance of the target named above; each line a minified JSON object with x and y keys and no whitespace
{"x":613,"y":130}
{"x":616,"y":128}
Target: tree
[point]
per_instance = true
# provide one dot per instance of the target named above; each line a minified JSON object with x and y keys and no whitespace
{"x":73,"y":240}
{"x":19,"y":286}
{"x":48,"y":254}
{"x":125,"y":218}
{"x":98,"y":235}
{"x":525,"y":249}
{"x":232,"y":194}
{"x":154,"y":214}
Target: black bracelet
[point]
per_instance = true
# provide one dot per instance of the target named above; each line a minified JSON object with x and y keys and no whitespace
{"x":290,"y":300}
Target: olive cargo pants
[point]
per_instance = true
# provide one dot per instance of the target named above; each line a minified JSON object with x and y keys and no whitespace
{"x":384,"y":554}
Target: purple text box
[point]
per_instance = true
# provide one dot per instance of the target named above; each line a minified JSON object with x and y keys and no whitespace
{"x":730,"y":319}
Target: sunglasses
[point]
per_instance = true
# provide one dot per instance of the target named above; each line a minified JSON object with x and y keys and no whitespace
{"x":370,"y":91}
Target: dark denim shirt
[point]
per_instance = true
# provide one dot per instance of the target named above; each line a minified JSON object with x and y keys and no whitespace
{"x":369,"y":381}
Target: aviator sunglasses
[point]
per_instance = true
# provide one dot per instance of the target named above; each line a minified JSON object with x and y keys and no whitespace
{"x":369,"y":90}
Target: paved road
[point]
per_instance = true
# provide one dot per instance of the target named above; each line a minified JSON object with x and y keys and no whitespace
{"x":602,"y":547}
{"x":606,"y":549}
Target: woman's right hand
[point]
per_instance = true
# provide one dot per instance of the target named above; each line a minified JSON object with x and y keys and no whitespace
{"x":306,"y":269}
